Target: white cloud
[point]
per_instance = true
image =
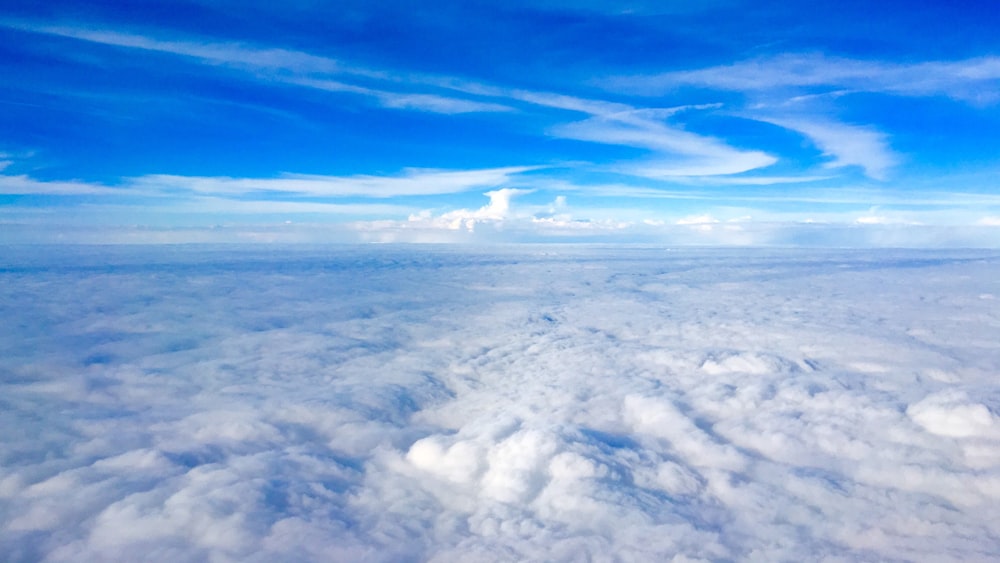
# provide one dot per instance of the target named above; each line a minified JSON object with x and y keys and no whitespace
{"x":952,"y":413}
{"x":678,"y":152}
{"x":697,"y":220}
{"x":281,"y":65}
{"x":411,"y":182}
{"x":873,"y":220}
{"x":223,"y":206}
{"x":193,"y":189}
{"x":424,"y":102}
{"x":971,"y":80}
{"x":499,"y":205}
{"x":877,"y":216}
{"x":564,"y":102}
{"x":496,"y":211}
{"x":848,"y":145}
{"x":498,"y":217}
{"x":496,"y":222}
{"x":943,"y":204}
{"x":438,"y":104}
{"x":764,"y":180}
{"x":25,"y":185}
{"x":547,"y":402}
{"x":803,"y":80}
{"x":236,"y":54}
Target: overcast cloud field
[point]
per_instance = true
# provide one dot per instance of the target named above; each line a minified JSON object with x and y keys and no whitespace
{"x":539,"y":403}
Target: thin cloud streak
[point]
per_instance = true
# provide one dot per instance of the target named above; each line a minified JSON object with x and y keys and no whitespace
{"x":223,"y":206}
{"x":971,"y":80}
{"x":776,"y":81}
{"x":833,"y":196}
{"x":281,"y":65}
{"x":615,"y":123}
{"x":680,"y":153}
{"x":233,"y":54}
{"x":847,"y":145}
{"x":424,"y":102}
{"x":25,"y":185}
{"x":794,"y":92}
{"x":412,"y":182}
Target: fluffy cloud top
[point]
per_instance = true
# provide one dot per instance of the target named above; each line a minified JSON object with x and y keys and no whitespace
{"x":544,"y":403}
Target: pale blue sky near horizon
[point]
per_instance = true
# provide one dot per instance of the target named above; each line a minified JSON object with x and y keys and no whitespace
{"x":839,"y":124}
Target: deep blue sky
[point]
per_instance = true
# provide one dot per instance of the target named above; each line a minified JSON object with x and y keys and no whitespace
{"x":733,"y":122}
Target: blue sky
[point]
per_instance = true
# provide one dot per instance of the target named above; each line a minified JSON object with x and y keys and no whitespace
{"x":835,"y":123}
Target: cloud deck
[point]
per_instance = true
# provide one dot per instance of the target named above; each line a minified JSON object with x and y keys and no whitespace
{"x":544,"y":403}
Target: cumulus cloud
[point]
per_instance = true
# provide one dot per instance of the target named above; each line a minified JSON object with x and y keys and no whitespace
{"x":497,"y":208}
{"x":555,"y":402}
{"x":496,"y":212}
{"x":497,"y":221}
{"x":952,"y":413}
{"x":697,"y":220}
{"x":460,"y":225}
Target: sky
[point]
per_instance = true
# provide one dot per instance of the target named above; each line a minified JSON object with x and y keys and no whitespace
{"x":217,"y":403}
{"x":843,"y":123}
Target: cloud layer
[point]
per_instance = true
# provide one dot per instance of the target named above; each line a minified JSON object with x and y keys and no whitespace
{"x":556,"y":403}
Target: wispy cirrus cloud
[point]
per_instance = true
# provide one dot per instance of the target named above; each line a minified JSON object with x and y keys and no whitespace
{"x":230,"y":54}
{"x":773,"y":83}
{"x":847,"y":145}
{"x":713,"y":191}
{"x":675,"y":152}
{"x":281,"y":65}
{"x":397,"y":100}
{"x":411,"y":182}
{"x":25,"y":185}
{"x":667,"y":151}
{"x":225,"y":206}
{"x":678,"y":152}
{"x":972,"y":80}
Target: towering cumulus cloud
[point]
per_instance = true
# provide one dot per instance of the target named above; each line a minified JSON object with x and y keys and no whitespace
{"x":540,"y":404}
